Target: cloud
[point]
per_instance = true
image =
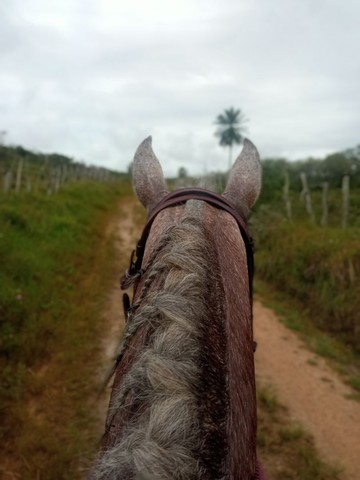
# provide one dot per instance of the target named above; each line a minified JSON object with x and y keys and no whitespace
{"x":92,"y":80}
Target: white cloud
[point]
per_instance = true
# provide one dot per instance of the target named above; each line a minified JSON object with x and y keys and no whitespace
{"x":92,"y":79}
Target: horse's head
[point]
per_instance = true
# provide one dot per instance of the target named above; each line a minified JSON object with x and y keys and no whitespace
{"x":183,"y":404}
{"x":242,"y":189}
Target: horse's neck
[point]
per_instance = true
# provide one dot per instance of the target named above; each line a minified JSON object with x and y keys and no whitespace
{"x":183,"y":396}
{"x":241,"y":427}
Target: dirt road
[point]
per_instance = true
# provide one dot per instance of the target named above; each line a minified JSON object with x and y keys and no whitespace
{"x":313,"y":392}
{"x":125,"y":234}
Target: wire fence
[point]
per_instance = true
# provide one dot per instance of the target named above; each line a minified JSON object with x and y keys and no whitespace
{"x":43,"y":174}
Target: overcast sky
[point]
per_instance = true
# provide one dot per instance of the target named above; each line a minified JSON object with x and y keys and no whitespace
{"x":93,"y":78}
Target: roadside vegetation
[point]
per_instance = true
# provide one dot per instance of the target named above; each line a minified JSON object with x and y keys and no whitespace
{"x":315,"y":264}
{"x":56,"y":267}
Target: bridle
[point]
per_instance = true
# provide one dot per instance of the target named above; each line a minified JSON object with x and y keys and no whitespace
{"x":180,"y":197}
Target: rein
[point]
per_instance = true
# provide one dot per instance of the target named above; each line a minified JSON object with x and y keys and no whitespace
{"x":180,"y":197}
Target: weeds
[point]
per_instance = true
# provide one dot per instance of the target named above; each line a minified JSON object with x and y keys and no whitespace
{"x":355,"y":383}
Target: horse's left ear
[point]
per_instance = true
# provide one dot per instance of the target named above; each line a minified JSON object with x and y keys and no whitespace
{"x":148,"y":179}
{"x":244,"y":184}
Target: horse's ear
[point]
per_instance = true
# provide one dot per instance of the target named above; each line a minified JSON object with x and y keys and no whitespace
{"x":148,"y":179}
{"x":244,"y":184}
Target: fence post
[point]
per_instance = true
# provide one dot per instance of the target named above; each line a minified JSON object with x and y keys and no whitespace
{"x":8,"y":180}
{"x":345,"y":200}
{"x":28,"y":178}
{"x":50,"y":181}
{"x":19,"y":175}
{"x":305,"y":194}
{"x":286,"y":195}
{"x":325,"y":206}
{"x":57,"y":178}
{"x":64,"y":176}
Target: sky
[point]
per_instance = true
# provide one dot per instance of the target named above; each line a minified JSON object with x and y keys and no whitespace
{"x":92,"y":78}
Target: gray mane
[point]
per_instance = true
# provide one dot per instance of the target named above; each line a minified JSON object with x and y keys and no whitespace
{"x":165,"y":437}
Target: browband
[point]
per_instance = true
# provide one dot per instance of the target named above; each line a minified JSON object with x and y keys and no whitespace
{"x":179,"y":197}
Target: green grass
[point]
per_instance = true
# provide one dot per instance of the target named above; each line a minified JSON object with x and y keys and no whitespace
{"x":286,"y":450}
{"x":56,"y":265}
{"x":317,"y":266}
{"x":355,"y":383}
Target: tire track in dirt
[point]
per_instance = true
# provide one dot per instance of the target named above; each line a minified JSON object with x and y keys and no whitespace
{"x":314,"y":393}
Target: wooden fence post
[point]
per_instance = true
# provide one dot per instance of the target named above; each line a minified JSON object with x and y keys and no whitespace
{"x":28,"y":179}
{"x":286,"y":195}
{"x":305,"y":194}
{"x":57,"y":178}
{"x":325,"y":206}
{"x":8,"y":180}
{"x":64,"y":176}
{"x":19,"y":175}
{"x":49,"y":178}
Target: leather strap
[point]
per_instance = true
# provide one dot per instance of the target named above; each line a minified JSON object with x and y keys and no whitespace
{"x":179,"y":197}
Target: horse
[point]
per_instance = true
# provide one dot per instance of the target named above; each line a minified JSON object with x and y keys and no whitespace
{"x":183,"y":400}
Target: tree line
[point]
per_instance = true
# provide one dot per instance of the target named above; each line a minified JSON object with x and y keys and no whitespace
{"x":331,"y":169}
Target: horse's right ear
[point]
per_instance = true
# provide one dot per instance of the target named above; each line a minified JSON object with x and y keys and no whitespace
{"x":148,"y":179}
{"x":244,"y":184}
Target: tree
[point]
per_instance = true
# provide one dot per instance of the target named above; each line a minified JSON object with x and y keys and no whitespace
{"x":230,"y":129}
{"x":182,"y":173}
{"x":335,"y":166}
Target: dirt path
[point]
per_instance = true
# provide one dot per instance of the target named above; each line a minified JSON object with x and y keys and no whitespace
{"x":126,"y":235}
{"x":313,"y":392}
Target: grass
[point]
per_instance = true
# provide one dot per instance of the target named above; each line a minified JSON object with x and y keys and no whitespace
{"x":293,"y":314}
{"x":318,"y":266}
{"x":56,"y":265}
{"x":286,"y":450}
{"x":313,"y":362}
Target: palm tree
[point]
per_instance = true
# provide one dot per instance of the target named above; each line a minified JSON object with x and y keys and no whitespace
{"x":230,"y":129}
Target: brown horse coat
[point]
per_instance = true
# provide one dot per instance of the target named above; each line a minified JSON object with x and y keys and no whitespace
{"x":183,"y":403}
